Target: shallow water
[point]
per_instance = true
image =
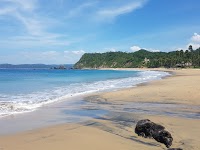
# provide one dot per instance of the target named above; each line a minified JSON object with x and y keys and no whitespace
{"x":79,"y":110}
{"x":25,"y":90}
{"x":150,"y":108}
{"x":58,"y":113}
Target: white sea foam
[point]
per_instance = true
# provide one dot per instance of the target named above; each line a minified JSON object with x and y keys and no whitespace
{"x":29,"y":102}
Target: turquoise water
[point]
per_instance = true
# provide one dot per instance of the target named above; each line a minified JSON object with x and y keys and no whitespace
{"x":25,"y":90}
{"x":16,"y":81}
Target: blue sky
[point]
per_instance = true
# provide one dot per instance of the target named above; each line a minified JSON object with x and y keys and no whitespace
{"x":60,"y":31}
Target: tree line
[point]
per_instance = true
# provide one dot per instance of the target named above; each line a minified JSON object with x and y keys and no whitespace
{"x":141,"y":58}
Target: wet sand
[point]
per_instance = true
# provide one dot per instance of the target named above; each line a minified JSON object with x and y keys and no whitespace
{"x":162,"y":101}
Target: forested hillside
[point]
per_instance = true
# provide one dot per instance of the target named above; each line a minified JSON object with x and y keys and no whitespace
{"x":142,"y":58}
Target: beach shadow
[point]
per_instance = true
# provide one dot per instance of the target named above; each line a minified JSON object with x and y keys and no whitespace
{"x":120,"y":124}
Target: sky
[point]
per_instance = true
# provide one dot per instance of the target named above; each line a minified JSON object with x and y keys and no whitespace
{"x":61,"y":31}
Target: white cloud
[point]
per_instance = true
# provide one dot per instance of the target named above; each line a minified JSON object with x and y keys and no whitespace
{"x":153,"y":50}
{"x":22,"y":10}
{"x":135,"y":48}
{"x":103,"y":11}
{"x":79,"y":10}
{"x":194,"y":45}
{"x":41,"y":56}
{"x":73,"y":56}
{"x":194,"y":41}
{"x":24,"y":4}
{"x":50,"y":54}
{"x":80,"y":52}
{"x":4,"y":11}
{"x":196,"y":37}
{"x":110,"y":49}
{"x":46,"y":57}
{"x":77,"y":52}
{"x":104,"y":50}
{"x":34,"y":27}
{"x":113,"y":12}
{"x":35,"y":41}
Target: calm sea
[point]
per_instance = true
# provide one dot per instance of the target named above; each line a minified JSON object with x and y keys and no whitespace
{"x":25,"y":90}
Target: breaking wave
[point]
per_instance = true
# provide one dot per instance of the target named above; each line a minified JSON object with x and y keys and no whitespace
{"x":22,"y":103}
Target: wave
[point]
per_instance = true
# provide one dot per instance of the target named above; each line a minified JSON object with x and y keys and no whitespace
{"x":22,"y":103}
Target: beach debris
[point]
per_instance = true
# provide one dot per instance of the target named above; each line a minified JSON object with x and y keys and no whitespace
{"x":148,"y":129}
{"x":175,"y":149}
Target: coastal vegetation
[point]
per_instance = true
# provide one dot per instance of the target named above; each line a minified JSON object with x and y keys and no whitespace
{"x":142,"y":58}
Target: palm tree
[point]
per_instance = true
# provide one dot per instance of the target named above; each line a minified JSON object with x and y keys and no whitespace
{"x":190,"y":48}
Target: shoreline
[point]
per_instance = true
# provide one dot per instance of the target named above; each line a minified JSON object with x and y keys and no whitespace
{"x":37,"y":106}
{"x":116,"y":130}
{"x":184,"y":74}
{"x":110,"y":84}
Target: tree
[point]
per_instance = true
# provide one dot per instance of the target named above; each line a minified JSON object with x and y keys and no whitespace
{"x":187,"y":54}
{"x":181,"y":53}
{"x":190,"y":48}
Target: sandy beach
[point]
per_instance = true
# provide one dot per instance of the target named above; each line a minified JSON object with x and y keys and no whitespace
{"x":175,"y":103}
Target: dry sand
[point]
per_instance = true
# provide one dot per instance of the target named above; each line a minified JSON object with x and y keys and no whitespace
{"x":182,"y":87}
{"x":116,"y":131}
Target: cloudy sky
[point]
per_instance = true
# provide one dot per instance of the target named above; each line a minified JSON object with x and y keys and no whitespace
{"x":60,"y":31}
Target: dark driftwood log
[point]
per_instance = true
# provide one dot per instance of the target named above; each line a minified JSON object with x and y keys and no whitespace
{"x":174,"y":149}
{"x":148,"y":129}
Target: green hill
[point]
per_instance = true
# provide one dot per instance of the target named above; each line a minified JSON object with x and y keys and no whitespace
{"x":142,"y":58}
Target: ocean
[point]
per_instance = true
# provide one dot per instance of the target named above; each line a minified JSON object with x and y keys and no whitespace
{"x":26,"y":90}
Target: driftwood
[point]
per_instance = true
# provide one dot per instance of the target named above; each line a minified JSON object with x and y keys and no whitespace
{"x":148,"y":129}
{"x":174,"y":149}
